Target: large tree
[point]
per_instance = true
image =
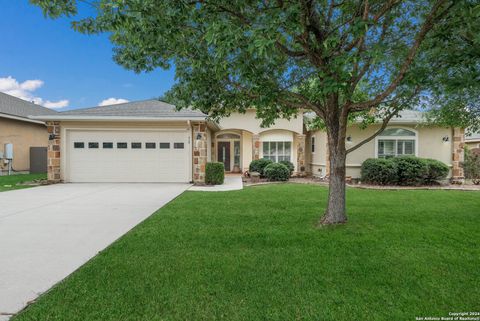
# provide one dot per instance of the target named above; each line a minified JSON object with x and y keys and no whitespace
{"x":341,"y":59}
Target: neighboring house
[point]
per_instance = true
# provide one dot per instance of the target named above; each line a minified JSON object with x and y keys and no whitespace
{"x":150,"y":141}
{"x":473,"y":140}
{"x":18,"y":129}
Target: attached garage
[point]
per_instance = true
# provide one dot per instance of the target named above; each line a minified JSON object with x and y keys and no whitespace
{"x":137,"y":142}
{"x":127,"y":156}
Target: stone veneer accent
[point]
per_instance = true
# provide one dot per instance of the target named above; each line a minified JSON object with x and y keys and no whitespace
{"x":255,"y":146}
{"x":199,"y":152}
{"x":53,"y":152}
{"x":301,"y":170}
{"x":458,"y":156}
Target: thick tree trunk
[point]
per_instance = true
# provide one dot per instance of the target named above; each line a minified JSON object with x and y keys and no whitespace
{"x":336,"y":125}
{"x":336,"y":208}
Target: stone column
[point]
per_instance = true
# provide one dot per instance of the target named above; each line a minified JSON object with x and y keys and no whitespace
{"x":199,"y":152}
{"x":300,"y":138}
{"x":53,"y":152}
{"x":458,"y":156}
{"x":255,"y":146}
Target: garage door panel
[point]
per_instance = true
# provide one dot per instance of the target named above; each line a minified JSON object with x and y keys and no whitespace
{"x":128,"y":165}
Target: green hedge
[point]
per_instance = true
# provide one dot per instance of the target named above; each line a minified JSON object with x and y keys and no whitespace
{"x":259,"y":165}
{"x":277,"y":172}
{"x":404,"y":170}
{"x":379,"y":171}
{"x":289,"y":165}
{"x":411,"y":170}
{"x":214,"y":173}
{"x":436,"y":171}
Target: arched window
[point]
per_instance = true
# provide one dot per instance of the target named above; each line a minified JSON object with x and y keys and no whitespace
{"x":393,"y":142}
{"x":228,"y":136}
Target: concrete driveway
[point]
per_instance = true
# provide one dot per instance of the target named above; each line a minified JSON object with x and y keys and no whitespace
{"x":47,"y":232}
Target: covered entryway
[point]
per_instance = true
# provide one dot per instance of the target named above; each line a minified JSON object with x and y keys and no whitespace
{"x":127,"y":155}
{"x":228,"y":151}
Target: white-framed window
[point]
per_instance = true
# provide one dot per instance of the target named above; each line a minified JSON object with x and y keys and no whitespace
{"x":393,"y":142}
{"x":277,"y":151}
{"x":313,"y":144}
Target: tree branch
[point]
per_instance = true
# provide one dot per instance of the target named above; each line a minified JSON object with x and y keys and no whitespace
{"x":385,"y":121}
{"x":378,"y":132}
{"x":427,"y":26}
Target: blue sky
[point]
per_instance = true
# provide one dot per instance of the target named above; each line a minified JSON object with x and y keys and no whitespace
{"x":66,"y":65}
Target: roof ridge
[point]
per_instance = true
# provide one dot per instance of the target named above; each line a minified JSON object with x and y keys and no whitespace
{"x":31,"y":104}
{"x":112,"y":105}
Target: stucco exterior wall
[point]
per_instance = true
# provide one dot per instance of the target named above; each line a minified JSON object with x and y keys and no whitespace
{"x":247,"y":149}
{"x":209,"y":145}
{"x":22,"y":135}
{"x":430,"y":144}
{"x":248,"y":126}
{"x":318,"y":159}
{"x":249,"y":122}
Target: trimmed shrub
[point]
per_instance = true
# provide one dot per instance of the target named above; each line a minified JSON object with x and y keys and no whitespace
{"x":436,"y":171}
{"x":404,"y":170}
{"x":289,"y":165}
{"x":277,"y":172}
{"x":471,"y":165}
{"x":379,"y":171}
{"x":214,"y":173}
{"x":411,"y":170}
{"x":259,"y":165}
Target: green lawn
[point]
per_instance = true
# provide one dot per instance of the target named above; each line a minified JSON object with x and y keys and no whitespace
{"x":10,"y":182}
{"x":256,"y":255}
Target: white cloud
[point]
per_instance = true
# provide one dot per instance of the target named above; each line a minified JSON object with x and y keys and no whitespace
{"x":24,"y":90}
{"x":112,"y":101}
{"x":56,"y":104}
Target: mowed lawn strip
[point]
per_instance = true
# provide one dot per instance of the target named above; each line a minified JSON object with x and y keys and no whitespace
{"x":255,"y":254}
{"x":10,"y":182}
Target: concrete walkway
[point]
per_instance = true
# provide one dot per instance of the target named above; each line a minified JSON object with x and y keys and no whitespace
{"x":47,"y":232}
{"x":231,"y":183}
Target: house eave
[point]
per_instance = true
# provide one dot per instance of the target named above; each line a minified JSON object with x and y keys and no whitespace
{"x":28,"y":120}
{"x":116,"y":118}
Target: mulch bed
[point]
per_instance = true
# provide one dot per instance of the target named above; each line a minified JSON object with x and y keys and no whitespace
{"x":317,"y":181}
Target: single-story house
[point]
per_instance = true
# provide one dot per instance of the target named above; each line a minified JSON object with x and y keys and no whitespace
{"x":152,"y":141}
{"x":22,"y":132}
{"x":473,"y":140}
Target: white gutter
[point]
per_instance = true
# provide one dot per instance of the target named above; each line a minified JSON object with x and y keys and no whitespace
{"x":114,"y":118}
{"x":28,"y":120}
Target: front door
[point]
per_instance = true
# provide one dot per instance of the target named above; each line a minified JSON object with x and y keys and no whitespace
{"x":223,"y":152}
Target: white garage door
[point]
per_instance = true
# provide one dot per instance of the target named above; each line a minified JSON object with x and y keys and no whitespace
{"x":127,"y":156}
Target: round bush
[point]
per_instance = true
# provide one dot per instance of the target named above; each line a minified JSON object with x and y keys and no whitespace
{"x":411,"y":170}
{"x":214,"y":173}
{"x":471,"y":165}
{"x":259,"y":165}
{"x":436,"y":171}
{"x":289,"y":165}
{"x":379,"y":171}
{"x":277,"y":172}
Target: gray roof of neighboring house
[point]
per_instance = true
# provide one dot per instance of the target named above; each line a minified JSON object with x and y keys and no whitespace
{"x":14,"y":106}
{"x":474,"y":136}
{"x":144,"y":109}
